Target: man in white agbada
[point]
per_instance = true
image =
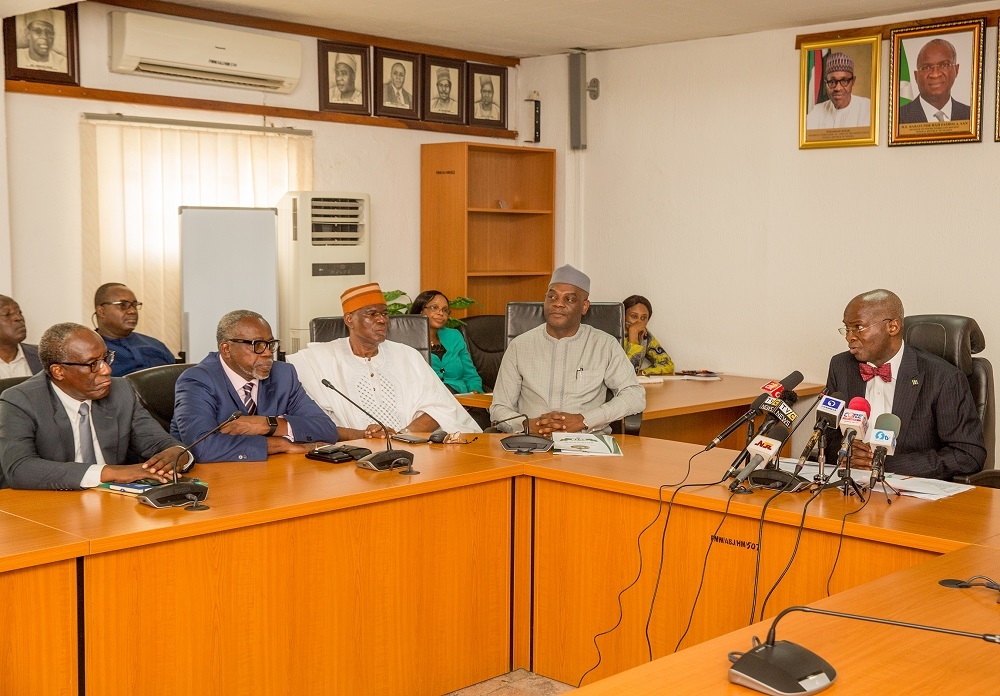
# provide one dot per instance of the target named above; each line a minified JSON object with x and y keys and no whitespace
{"x":391,"y":380}
{"x":843,"y":109}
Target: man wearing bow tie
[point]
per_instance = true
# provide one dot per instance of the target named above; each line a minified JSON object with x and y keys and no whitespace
{"x":941,"y":434}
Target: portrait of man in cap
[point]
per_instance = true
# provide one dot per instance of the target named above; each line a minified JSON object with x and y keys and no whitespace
{"x":41,"y":44}
{"x":486,"y":108}
{"x":841,"y":109}
{"x":343,"y":81}
{"x":443,"y":101}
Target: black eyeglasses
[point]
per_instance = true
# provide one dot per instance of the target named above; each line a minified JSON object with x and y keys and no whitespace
{"x":259,"y":345}
{"x":843,"y":82}
{"x":96,"y":365}
{"x":125,"y":305}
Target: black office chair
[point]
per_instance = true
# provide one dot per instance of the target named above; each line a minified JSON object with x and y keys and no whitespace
{"x":410,"y":329}
{"x":155,"y":388}
{"x":606,"y":316}
{"x":957,"y":339}
{"x":484,"y":337}
{"x":8,"y":382}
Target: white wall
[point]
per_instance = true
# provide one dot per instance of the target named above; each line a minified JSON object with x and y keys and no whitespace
{"x":695,"y":194}
{"x":43,"y":157}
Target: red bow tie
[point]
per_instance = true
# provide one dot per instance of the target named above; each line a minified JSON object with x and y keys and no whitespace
{"x":868,"y":372}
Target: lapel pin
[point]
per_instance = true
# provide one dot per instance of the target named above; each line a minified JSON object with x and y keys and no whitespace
{"x":914,"y":382}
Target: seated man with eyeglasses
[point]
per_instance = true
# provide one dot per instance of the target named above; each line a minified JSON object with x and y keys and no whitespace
{"x":74,"y":426}
{"x":390,"y":380}
{"x":278,"y":415}
{"x":941,"y":434}
{"x":117,"y":313}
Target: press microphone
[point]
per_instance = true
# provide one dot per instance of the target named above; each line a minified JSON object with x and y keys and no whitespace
{"x":853,"y":424}
{"x":763,"y":449}
{"x":178,"y":492}
{"x":772,"y":389}
{"x":379,"y":461}
{"x":785,"y":667}
{"x":827,"y":416}
{"x":884,"y":439}
{"x":527,"y":427}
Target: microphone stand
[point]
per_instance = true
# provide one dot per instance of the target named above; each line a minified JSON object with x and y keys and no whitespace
{"x":377,"y":461}
{"x":178,"y":492}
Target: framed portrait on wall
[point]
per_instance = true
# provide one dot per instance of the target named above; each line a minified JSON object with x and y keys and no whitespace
{"x":397,"y":84}
{"x":42,"y":46}
{"x":936,"y":83}
{"x":444,"y":90}
{"x":838,"y":90}
{"x":343,"y":77}
{"x":487,"y":95}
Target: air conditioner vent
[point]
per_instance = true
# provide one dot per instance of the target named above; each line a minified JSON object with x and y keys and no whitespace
{"x":338,"y":221}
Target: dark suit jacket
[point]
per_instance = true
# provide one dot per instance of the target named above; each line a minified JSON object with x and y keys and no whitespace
{"x":31,"y":355}
{"x":914,"y":112}
{"x":36,"y":438}
{"x":389,"y":97}
{"x":941,"y":434}
{"x":204,"y":397}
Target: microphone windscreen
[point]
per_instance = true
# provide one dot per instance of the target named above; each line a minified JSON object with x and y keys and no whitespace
{"x":888,"y":421}
{"x":793,"y":380}
{"x":860,"y":403}
{"x":778,"y":432}
{"x":789,"y":397}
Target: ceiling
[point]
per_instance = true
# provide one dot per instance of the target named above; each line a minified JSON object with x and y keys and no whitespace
{"x":526,"y":28}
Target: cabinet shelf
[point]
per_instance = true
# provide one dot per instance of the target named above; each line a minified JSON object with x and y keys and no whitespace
{"x":471,"y":247}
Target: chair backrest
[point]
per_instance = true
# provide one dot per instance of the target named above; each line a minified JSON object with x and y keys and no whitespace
{"x":524,"y":316}
{"x":409,"y":329}
{"x":8,"y":382}
{"x":956,"y":339}
{"x":484,"y":336}
{"x":155,"y":388}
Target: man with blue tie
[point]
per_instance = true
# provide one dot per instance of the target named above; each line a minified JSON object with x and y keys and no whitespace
{"x":278,"y":415}
{"x":940,"y":434}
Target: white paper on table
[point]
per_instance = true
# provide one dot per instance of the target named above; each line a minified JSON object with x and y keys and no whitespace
{"x":912,"y":486}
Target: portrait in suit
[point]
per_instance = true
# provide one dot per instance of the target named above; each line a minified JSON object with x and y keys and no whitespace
{"x":75,"y":426}
{"x":936,"y":83}
{"x":941,"y":434}
{"x":277,"y":416}
{"x":399,"y":76}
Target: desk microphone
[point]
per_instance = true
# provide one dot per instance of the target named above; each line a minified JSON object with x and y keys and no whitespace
{"x":527,"y":426}
{"x":772,"y":389}
{"x":787,"y":668}
{"x":180,"y":493}
{"x":853,"y":424}
{"x":883,"y":439}
{"x":379,"y":461}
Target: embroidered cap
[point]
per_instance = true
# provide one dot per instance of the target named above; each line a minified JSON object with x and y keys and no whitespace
{"x":348,"y":60}
{"x":360,"y":296}
{"x":570,"y":275}
{"x":839,"y":62}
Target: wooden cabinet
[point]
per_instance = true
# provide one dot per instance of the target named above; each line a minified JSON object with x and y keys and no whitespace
{"x":487,"y":222}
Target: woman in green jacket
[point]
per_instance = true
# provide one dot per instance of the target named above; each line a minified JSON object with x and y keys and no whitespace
{"x":449,"y":355}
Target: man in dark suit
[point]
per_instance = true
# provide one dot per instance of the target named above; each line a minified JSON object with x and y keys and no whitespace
{"x":393,"y":93}
{"x":278,"y":414}
{"x":17,"y":359}
{"x":74,"y":426}
{"x":937,"y":68}
{"x":941,"y":434}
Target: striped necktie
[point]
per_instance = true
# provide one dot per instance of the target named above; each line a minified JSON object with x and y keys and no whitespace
{"x":248,"y":401}
{"x":87,"y":453}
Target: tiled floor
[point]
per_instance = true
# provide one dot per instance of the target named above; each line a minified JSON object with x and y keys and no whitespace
{"x":517,"y":683}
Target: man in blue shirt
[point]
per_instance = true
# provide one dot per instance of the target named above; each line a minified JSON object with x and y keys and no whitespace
{"x":117,"y":313}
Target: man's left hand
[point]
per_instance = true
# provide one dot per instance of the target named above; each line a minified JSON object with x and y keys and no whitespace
{"x":558,"y":421}
{"x":861,"y":455}
{"x":162,"y":463}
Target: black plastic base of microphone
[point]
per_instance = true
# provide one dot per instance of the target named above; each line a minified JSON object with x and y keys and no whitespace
{"x":179,"y":494}
{"x":782,"y":668}
{"x":778,"y":480}
{"x":388,"y":460}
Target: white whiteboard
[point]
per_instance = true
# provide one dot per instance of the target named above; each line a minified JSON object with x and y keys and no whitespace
{"x":229,"y":260}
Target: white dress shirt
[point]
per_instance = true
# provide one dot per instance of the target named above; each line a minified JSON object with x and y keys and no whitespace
{"x":18,"y":367}
{"x":93,"y":475}
{"x":238,"y":382}
{"x":880,"y":394}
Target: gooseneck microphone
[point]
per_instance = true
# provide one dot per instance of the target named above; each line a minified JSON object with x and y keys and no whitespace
{"x":784,"y":667}
{"x":379,"y":461}
{"x":179,"y":493}
{"x":527,"y":425}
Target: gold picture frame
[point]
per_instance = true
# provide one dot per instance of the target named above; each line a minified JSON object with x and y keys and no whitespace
{"x":846,"y":114}
{"x":936,"y":72}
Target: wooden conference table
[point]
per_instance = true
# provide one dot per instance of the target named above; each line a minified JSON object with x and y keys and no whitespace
{"x":305,"y":577}
{"x":692,"y":411}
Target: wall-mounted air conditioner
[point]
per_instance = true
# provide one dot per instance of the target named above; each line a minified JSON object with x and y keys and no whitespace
{"x":143,"y":44}
{"x":324,"y":247}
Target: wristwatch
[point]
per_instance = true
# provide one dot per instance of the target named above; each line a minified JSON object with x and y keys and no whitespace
{"x":272,"y":422}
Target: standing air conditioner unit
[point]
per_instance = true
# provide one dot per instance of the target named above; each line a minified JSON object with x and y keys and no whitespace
{"x":324,"y":247}
{"x":143,"y":44}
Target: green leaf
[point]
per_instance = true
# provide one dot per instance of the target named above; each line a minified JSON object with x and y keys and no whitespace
{"x":462,"y":303}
